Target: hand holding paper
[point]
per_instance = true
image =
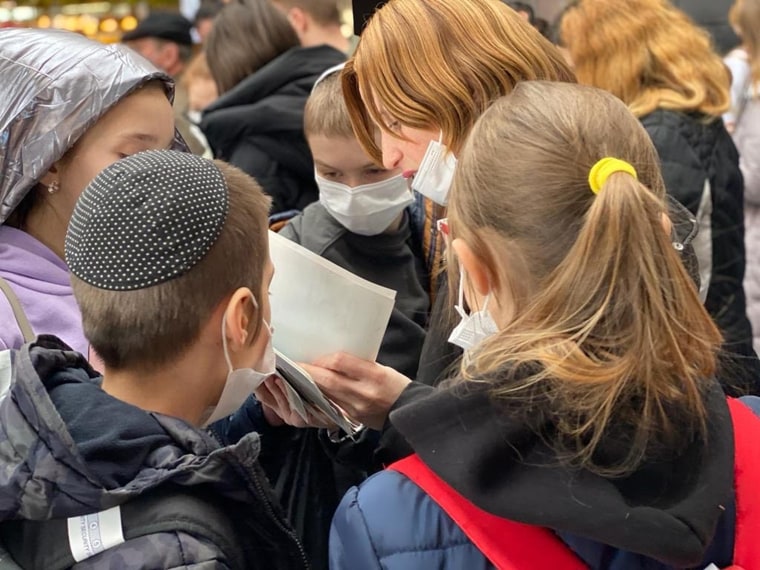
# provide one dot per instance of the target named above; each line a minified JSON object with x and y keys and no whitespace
{"x":319,"y":309}
{"x":364,"y":389}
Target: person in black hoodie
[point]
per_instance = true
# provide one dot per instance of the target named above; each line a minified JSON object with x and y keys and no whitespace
{"x":264,"y":78}
{"x":587,"y":404}
{"x":649,"y":54}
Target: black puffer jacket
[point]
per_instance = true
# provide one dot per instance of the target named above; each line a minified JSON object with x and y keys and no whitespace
{"x":700,"y":166}
{"x":258,"y":125}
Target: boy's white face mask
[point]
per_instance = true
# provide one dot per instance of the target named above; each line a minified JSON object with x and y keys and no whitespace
{"x":241,"y":382}
{"x":436,"y":172}
{"x":368,"y":209}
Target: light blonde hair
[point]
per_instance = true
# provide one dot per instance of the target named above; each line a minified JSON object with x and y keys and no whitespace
{"x":745,"y":17}
{"x":441,"y":64}
{"x":648,"y":53}
{"x":325,"y":112}
{"x":147,"y":328}
{"x":608,"y":332}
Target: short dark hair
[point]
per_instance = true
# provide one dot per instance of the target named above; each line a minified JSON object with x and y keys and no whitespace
{"x":146,"y":328}
{"x":247,"y":35}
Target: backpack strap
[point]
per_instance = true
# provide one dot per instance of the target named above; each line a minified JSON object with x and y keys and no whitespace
{"x":746,"y":478}
{"x":44,"y":545}
{"x":18,"y":311}
{"x":509,"y":545}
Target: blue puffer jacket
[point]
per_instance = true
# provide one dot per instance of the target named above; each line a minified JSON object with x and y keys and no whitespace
{"x":390,"y":523}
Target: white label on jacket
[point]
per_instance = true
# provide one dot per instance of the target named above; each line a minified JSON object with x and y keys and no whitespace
{"x":92,"y":534}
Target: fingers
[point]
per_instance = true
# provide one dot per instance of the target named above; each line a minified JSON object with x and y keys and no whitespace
{"x":350,"y":366}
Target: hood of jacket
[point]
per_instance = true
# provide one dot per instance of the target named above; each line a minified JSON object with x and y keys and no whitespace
{"x":668,"y":510}
{"x":268,"y":102}
{"x":55,"y":86}
{"x":63,"y":455}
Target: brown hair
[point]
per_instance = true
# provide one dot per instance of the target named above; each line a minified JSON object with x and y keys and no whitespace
{"x":247,"y":34}
{"x":605,"y":321}
{"x":146,"y":328}
{"x":325,"y":112}
{"x":442,"y":64}
{"x":648,"y":53}
{"x":745,"y":17}
{"x":324,"y":12}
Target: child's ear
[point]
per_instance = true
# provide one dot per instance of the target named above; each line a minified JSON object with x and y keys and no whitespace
{"x":239,"y":312}
{"x":474,"y":267}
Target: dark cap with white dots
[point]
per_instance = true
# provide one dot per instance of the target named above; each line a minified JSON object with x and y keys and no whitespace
{"x":145,"y":220}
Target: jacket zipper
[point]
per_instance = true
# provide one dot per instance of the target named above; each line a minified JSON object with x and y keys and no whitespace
{"x":273,"y":515}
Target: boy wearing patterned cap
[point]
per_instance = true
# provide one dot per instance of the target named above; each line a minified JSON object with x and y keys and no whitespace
{"x":169,"y":260}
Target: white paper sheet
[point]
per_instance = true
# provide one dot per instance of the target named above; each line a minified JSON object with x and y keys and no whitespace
{"x":319,"y":308}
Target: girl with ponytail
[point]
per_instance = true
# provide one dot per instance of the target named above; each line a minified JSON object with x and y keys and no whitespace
{"x":587,"y":408}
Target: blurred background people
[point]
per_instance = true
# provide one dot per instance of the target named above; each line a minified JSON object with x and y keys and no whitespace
{"x":164,"y":39}
{"x":264,"y":77}
{"x":201,"y":90}
{"x":204,"y":18}
{"x":653,"y":57}
{"x":316,"y":22}
{"x":743,"y":120}
{"x":712,"y":15}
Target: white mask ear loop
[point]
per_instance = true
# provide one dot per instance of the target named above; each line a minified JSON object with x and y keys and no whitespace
{"x":460,"y":303}
{"x":440,"y":137}
{"x":224,"y":335}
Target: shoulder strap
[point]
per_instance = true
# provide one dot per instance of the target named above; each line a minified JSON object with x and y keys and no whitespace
{"x":23,"y":323}
{"x":509,"y":545}
{"x":746,"y":479}
{"x":44,"y":545}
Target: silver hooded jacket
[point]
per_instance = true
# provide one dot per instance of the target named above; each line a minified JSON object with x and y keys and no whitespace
{"x":54,"y":86}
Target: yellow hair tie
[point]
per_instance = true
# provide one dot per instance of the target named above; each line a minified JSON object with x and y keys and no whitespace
{"x":602,"y":170}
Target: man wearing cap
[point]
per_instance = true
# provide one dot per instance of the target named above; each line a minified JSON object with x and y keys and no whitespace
{"x":164,"y":39}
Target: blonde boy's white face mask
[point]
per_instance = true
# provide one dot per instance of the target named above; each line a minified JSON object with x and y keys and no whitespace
{"x":368,"y":209}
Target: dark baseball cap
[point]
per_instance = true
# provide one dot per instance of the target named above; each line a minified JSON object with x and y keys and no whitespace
{"x":170,"y":26}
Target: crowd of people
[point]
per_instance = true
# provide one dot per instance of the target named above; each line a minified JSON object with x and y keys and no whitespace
{"x":569,"y":215}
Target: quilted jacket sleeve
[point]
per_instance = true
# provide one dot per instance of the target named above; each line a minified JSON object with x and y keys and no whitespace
{"x":682,"y":171}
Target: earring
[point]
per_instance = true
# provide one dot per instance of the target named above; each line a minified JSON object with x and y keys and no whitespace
{"x":54,"y":187}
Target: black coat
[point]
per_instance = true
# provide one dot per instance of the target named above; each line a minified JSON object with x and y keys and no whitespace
{"x":258,"y":125}
{"x":693,"y":151}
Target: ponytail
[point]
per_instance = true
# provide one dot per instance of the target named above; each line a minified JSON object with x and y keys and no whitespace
{"x":609,"y":331}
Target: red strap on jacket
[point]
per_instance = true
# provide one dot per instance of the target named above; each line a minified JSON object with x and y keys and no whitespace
{"x":746,"y":481}
{"x":511,"y":545}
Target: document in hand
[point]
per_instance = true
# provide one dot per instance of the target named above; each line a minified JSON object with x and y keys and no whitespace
{"x":319,"y":308}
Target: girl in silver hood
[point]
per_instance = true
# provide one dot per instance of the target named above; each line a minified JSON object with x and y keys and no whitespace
{"x":70,"y":107}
